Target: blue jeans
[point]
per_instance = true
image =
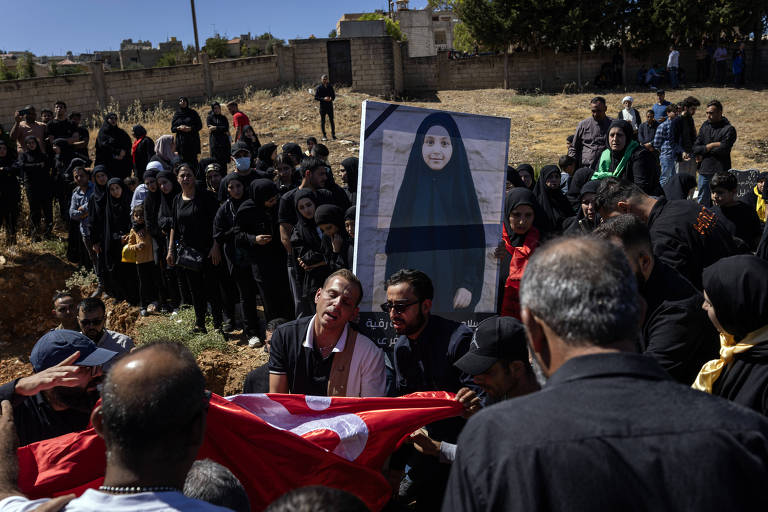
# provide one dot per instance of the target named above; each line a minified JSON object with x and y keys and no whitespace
{"x":667,"y":168}
{"x":673,"y":77}
{"x":705,"y":195}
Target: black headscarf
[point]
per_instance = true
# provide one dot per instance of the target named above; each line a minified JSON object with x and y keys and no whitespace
{"x":302,"y":194}
{"x":579,"y":178}
{"x":220,"y":137}
{"x":350,"y":213}
{"x":522,"y":196}
{"x":529,"y":169}
{"x":589,"y":187}
{"x":294,"y":150}
{"x":117,"y":222}
{"x":350,"y":164}
{"x":552,"y":201}
{"x":679,"y":185}
{"x":737,"y":287}
{"x":514,"y":177}
{"x":264,"y":153}
{"x":139,"y":131}
{"x":32,"y":156}
{"x":8,"y":158}
{"x":187,"y":143}
{"x":330,"y":214}
{"x":262,"y":190}
{"x":436,"y":212}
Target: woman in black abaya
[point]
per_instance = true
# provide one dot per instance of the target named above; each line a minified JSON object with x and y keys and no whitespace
{"x":736,"y":301}
{"x":186,"y":124}
{"x":113,"y":234}
{"x":113,"y":148}
{"x":436,"y":223}
{"x":551,"y":198}
{"x":218,"y":141}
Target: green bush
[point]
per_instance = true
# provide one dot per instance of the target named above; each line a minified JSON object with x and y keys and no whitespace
{"x":179,"y":328}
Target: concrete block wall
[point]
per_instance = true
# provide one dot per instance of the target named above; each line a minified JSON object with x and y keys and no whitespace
{"x":155,"y":84}
{"x":373,"y":65}
{"x":230,"y":77}
{"x":75,"y":90}
{"x":420,"y":74}
{"x":397,"y":60}
{"x":310,"y":60}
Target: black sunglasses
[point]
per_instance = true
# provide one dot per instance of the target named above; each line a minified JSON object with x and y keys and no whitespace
{"x":398,"y":307}
{"x":87,"y":321}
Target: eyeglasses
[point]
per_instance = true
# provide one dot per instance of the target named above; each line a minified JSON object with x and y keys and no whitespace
{"x":398,"y":307}
{"x":85,"y":322}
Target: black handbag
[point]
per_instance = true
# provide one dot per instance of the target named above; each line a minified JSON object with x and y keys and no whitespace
{"x":189,"y":258}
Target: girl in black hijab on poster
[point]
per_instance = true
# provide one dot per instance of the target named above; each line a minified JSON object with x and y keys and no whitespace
{"x":436,"y":224}
{"x":587,"y":218}
{"x":218,"y":140}
{"x":186,"y":124}
{"x":736,"y":301}
{"x":192,"y":248}
{"x":113,"y":148}
{"x":308,"y":250}
{"x":550,"y":196}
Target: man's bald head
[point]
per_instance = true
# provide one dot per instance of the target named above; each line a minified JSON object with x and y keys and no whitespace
{"x":152,"y":398}
{"x":584,"y":290}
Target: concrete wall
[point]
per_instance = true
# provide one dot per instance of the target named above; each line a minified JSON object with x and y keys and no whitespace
{"x":373,"y":65}
{"x":368,"y":28}
{"x":310,"y":60}
{"x":76,"y":90}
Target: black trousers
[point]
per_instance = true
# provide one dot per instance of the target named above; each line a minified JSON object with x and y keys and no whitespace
{"x":9,"y":217}
{"x":246,"y":287}
{"x":63,"y":192}
{"x":327,"y":111}
{"x":148,"y":277}
{"x":40,"y":206}
{"x":204,"y":288}
{"x":272,"y":281}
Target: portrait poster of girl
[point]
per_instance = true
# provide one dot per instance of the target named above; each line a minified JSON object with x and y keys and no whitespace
{"x":431,"y":196}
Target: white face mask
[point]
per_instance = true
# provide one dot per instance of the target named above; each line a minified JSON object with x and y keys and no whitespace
{"x":243,"y":163}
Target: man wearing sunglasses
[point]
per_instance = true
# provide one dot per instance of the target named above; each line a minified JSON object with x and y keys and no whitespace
{"x":57,"y":399}
{"x":91,"y":316}
{"x":425,"y":354}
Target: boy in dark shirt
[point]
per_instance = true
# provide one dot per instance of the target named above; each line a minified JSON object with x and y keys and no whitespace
{"x":724,"y":185}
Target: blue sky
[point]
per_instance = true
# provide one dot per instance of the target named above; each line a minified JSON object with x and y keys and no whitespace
{"x":87,"y":25}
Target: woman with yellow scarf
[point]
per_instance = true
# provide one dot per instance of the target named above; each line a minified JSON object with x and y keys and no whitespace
{"x":736,"y":301}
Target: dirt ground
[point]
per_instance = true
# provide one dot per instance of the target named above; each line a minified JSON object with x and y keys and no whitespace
{"x":30,"y":274}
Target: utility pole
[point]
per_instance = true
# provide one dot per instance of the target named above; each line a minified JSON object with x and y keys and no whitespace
{"x":194,"y":25}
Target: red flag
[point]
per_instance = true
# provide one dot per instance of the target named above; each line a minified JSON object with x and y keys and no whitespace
{"x":272,"y":443}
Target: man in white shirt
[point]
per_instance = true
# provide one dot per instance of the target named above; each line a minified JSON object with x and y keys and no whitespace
{"x":323,"y":355}
{"x":152,"y":434}
{"x":672,"y":66}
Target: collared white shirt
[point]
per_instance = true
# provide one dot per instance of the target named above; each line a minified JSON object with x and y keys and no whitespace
{"x":309,"y":339}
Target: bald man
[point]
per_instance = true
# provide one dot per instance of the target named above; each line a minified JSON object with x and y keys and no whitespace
{"x":152,"y":419}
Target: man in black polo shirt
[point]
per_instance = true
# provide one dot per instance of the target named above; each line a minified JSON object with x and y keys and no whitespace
{"x":57,"y":399}
{"x":425,"y":354}
{"x":304,"y":352}
{"x":675,"y":331}
{"x":610,"y":430}
{"x":686,"y":236}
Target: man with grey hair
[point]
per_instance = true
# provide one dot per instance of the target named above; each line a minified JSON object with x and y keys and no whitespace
{"x":325,"y":94}
{"x":610,"y":430}
{"x":210,"y":481}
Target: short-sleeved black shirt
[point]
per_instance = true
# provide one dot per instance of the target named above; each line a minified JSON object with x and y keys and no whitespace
{"x":193,"y":220}
{"x":305,"y":368}
{"x":61,"y":129}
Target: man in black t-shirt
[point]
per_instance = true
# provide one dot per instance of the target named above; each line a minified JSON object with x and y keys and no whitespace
{"x":60,"y":127}
{"x":325,"y":94}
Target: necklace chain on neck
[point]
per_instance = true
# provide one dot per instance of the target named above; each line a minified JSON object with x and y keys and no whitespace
{"x":137,"y":489}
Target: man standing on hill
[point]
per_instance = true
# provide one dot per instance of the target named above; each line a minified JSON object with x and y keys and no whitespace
{"x":239,"y":120}
{"x":591,"y":137}
{"x":325,"y":95}
{"x":713,"y":147}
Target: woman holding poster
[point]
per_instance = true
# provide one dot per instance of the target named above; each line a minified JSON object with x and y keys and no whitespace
{"x":436,"y":224}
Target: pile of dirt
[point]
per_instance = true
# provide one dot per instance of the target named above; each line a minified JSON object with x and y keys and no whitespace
{"x":225,"y":373}
{"x":28,"y":282}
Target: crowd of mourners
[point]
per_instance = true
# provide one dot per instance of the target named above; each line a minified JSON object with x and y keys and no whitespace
{"x":633,"y":290}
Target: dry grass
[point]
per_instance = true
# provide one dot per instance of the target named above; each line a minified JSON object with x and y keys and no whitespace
{"x":540,"y":123}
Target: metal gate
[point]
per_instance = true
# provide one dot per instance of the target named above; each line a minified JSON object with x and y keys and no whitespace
{"x":339,"y":63}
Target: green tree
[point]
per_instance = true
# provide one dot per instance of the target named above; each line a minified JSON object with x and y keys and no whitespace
{"x":5,"y":73}
{"x":392,"y":27}
{"x":25,"y":68}
{"x":462,"y":38}
{"x":216,"y":47}
{"x":332,"y":34}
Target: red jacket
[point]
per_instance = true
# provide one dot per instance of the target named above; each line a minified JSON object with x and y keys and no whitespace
{"x":510,"y":306}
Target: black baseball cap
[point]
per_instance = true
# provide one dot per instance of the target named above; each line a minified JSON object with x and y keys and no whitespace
{"x":55,"y":346}
{"x":239,"y":146}
{"x":498,"y":337}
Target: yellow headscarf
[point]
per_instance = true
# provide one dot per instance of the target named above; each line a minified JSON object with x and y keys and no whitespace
{"x":760,"y":205}
{"x":728,"y":349}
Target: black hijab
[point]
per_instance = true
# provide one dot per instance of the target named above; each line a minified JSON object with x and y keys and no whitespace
{"x":139,"y":131}
{"x":264,"y":153}
{"x":350,"y":213}
{"x":350,"y":164}
{"x":218,"y":120}
{"x":589,"y":187}
{"x":294,"y":150}
{"x":301,"y":194}
{"x":554,"y":203}
{"x":737,"y":287}
{"x":330,"y":214}
{"x":518,"y":197}
{"x":262,"y":190}
{"x":236,"y":203}
{"x":529,"y":169}
{"x":579,"y":178}
{"x":8,"y":159}
{"x":32,"y":156}
{"x":514,"y":177}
